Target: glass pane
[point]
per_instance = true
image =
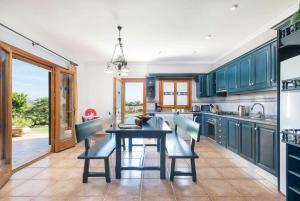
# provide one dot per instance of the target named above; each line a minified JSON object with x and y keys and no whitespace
{"x":168,"y":93}
{"x":66,"y":106}
{"x":134,"y":98}
{"x":182,"y":93}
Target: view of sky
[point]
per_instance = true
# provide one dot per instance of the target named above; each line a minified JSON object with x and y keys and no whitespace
{"x":29,"y":79}
{"x":134,"y":91}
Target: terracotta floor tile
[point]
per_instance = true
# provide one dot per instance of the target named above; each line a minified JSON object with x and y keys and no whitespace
{"x":16,"y":199}
{"x":186,"y":187}
{"x":27,"y":173}
{"x":158,"y":198}
{"x":10,"y":186}
{"x":249,"y":187}
{"x":197,"y":198}
{"x":208,"y":173}
{"x":51,"y":198}
{"x":216,"y":187}
{"x":202,"y":163}
{"x":230,"y":198}
{"x":89,"y":198}
{"x":220,"y":162}
{"x":30,"y":188}
{"x":156,"y":187}
{"x":128,"y":187}
{"x":94,"y":187}
{"x":233,"y":173}
{"x":62,"y":188}
{"x":210,"y":155}
{"x":122,"y":198}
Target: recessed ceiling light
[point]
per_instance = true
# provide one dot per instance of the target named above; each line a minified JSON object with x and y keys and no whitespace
{"x":159,"y":52}
{"x":208,"y":36}
{"x":234,"y":7}
{"x":195,"y":52}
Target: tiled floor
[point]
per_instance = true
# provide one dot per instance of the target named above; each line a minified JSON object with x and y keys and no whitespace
{"x":29,"y":147}
{"x":221,"y":176}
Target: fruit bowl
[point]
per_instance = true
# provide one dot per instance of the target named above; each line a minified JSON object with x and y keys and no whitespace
{"x":144,"y":117}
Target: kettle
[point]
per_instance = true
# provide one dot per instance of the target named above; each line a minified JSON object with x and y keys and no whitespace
{"x":241,"y":110}
{"x":195,"y":108}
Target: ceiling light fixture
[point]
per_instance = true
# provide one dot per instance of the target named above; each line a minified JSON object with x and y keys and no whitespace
{"x":118,"y":64}
{"x":234,"y":7}
{"x":208,"y":36}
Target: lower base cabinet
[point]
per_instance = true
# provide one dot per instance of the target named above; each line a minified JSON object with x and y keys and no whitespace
{"x":266,"y":151}
{"x":247,"y":140}
{"x":233,"y":134}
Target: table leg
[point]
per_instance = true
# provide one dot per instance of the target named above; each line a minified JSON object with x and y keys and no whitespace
{"x":130,"y":144}
{"x":163,"y":157}
{"x":118,"y":157}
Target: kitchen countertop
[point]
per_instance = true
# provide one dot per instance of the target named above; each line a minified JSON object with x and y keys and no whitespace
{"x":271,"y":122}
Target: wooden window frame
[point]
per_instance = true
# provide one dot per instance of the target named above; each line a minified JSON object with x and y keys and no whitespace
{"x":175,"y":106}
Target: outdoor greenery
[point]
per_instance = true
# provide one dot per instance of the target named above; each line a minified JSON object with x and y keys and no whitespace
{"x":134,"y":103}
{"x":27,"y":114}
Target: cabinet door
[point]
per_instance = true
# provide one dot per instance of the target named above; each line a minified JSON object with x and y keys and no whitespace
{"x":274,"y":64}
{"x":266,"y":151}
{"x":232,"y":141}
{"x":203,"y":85}
{"x":262,"y":67}
{"x":246,"y":69}
{"x":221,"y":80}
{"x":233,"y":77}
{"x":211,"y":84}
{"x":247,"y":141}
{"x":205,"y":125}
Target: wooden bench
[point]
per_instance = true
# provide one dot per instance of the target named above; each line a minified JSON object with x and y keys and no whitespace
{"x":102,"y":149}
{"x":178,"y":148}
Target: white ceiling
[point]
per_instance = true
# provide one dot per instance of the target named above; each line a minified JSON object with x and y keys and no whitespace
{"x":154,"y":30}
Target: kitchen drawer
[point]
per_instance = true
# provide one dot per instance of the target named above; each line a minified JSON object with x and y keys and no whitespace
{"x":222,"y":143}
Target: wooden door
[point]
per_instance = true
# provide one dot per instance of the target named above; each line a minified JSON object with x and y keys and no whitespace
{"x":5,"y":114}
{"x":65,"y":109}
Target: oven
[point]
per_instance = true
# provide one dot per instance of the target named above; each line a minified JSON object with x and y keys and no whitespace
{"x":212,"y":128}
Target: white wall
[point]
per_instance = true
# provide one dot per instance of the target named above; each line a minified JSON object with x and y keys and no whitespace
{"x":17,"y":41}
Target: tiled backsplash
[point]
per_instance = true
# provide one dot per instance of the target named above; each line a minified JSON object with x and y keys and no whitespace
{"x":230,"y":103}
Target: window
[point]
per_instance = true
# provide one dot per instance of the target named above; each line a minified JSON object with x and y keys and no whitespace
{"x":175,"y":93}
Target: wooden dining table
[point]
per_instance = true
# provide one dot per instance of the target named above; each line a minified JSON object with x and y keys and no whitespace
{"x":156,"y":128}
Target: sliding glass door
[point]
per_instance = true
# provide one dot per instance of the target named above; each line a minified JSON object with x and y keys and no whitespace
{"x":65,"y":110}
{"x":5,"y":114}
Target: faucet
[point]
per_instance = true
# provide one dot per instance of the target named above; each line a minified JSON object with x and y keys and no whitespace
{"x":261,"y":115}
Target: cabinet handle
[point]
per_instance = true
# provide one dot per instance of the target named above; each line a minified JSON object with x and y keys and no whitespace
{"x":255,"y":129}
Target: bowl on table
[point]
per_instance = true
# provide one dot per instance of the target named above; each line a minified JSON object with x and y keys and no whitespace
{"x":144,"y":118}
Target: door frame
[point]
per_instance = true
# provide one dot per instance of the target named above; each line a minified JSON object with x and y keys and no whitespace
{"x":7,"y":125}
{"x":126,"y":80}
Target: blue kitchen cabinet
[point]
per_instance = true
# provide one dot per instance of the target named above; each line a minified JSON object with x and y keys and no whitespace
{"x":201,"y":86}
{"x":246,"y":69}
{"x":233,"y":134}
{"x":211,"y":84}
{"x":205,"y":118}
{"x":221,"y":131}
{"x":262,"y":65}
{"x":274,"y":64}
{"x":221,"y":82}
{"x":150,"y":86}
{"x":233,"y":77}
{"x":266,"y":147}
{"x":247,"y":140}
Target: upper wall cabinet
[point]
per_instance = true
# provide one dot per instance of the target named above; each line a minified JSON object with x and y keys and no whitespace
{"x":211,"y":84}
{"x":262,"y":65}
{"x":221,"y":81}
{"x":150,"y":83}
{"x":246,"y":69}
{"x":201,"y":86}
{"x":233,"y":76}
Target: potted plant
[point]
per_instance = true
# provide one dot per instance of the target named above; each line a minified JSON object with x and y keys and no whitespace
{"x":295,"y":18}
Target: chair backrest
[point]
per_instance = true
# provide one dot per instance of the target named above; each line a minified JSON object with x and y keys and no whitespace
{"x":87,"y":129}
{"x":190,"y":127}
